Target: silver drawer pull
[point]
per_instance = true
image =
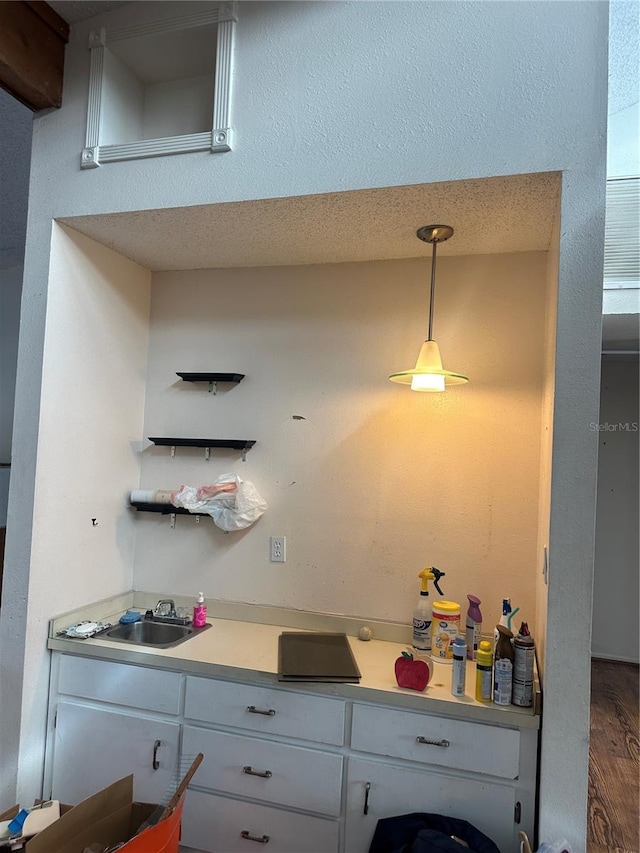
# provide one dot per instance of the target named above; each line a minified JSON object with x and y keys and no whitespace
{"x":442,"y":742}
{"x":261,"y":839}
{"x":266,"y":774}
{"x":156,"y":746}
{"x":268,"y":713}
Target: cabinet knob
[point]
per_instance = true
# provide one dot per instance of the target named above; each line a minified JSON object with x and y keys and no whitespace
{"x":367,"y":788}
{"x":261,"y":839}
{"x":426,"y":740}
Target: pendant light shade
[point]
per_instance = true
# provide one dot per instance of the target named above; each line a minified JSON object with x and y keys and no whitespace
{"x":428,"y":373}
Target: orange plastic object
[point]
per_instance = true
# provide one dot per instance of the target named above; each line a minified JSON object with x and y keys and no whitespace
{"x":164,"y":837}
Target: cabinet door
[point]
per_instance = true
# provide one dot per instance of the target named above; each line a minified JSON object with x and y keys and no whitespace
{"x":384,"y":790}
{"x":95,"y":747}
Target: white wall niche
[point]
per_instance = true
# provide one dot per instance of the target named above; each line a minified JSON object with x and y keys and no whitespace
{"x":160,"y":88}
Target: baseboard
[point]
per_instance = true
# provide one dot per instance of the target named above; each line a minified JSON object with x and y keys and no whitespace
{"x":616,"y":659}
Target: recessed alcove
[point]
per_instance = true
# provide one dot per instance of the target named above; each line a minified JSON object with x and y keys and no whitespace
{"x":159,"y":85}
{"x":162,"y":88}
{"x":368,"y":480}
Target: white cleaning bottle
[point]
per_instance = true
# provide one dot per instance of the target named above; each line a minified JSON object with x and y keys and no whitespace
{"x":504,"y":620}
{"x":423,"y":614}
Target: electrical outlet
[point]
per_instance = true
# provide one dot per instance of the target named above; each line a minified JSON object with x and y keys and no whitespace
{"x":278,"y":549}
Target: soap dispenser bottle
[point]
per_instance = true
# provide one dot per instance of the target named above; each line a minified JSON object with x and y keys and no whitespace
{"x":200,"y":612}
{"x":423,"y":614}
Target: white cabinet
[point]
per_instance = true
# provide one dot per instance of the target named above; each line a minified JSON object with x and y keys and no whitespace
{"x":297,"y":769}
{"x":94,"y":747}
{"x":286,"y":754}
{"x":376,"y":790}
{"x":108,"y":720}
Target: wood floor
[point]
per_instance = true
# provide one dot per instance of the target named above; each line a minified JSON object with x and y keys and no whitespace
{"x":613,"y":759}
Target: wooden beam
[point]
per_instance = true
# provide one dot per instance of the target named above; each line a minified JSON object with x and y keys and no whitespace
{"x":32,"y":41}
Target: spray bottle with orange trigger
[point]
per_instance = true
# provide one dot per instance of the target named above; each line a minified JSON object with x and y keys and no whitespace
{"x":423,"y":614}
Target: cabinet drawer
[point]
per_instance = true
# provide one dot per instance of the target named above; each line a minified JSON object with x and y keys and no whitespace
{"x":383,"y":790}
{"x":450,"y":743}
{"x":216,"y":824}
{"x":300,"y":778}
{"x":120,"y":684}
{"x":262,"y":709}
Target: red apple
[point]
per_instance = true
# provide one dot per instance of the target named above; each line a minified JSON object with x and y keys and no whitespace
{"x":410,"y":673}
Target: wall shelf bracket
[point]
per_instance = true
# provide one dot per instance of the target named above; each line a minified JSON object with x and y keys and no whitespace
{"x":166,"y":509}
{"x":212,"y":378}
{"x":242,"y":444}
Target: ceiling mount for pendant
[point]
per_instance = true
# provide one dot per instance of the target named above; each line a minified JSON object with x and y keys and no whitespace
{"x":429,"y":374}
{"x":434,"y":233}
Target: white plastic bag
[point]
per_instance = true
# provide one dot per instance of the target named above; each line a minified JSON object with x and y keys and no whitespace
{"x":232,"y":503}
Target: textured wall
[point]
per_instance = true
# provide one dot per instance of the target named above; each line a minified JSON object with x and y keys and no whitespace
{"x":95,"y":352}
{"x":615,"y":592}
{"x":15,"y":153}
{"x":337,"y":96}
{"x":376,"y":482}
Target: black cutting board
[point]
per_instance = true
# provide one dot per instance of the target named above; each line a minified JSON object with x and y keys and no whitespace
{"x":315,"y":656}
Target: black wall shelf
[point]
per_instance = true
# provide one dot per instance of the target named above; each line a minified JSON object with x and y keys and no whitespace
{"x":242,"y":444}
{"x":211,"y":378}
{"x":163,"y":509}
{"x":167,"y":509}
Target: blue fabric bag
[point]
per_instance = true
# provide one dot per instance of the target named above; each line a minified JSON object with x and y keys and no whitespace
{"x":428,"y":833}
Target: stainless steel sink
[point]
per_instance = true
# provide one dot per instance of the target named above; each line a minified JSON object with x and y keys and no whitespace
{"x":160,"y":635}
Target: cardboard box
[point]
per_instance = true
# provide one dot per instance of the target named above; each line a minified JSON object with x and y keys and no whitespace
{"x":106,"y":818}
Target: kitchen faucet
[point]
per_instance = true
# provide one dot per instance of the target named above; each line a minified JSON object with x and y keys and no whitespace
{"x":171,"y":614}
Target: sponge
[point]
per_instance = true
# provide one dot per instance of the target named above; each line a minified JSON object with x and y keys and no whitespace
{"x":130,"y":616}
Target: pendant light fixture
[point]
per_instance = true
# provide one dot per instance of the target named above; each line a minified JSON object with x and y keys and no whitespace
{"x":429,"y":374}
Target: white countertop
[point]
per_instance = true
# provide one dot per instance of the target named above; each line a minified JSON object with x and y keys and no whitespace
{"x":248,"y":651}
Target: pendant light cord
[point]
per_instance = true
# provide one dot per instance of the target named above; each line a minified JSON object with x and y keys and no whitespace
{"x":433,"y":290}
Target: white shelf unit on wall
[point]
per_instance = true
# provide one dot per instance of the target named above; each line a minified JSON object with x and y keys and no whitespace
{"x":161,"y":88}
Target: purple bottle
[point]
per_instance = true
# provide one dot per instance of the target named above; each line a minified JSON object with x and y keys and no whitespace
{"x":474,"y":626}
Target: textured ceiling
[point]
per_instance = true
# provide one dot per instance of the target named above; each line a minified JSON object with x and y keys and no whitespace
{"x":509,"y":214}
